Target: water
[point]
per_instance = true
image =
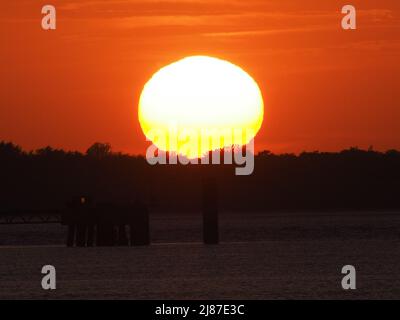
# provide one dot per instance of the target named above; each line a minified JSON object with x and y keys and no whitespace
{"x":261,"y":256}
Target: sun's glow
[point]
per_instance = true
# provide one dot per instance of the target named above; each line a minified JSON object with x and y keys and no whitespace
{"x":199,"y":104}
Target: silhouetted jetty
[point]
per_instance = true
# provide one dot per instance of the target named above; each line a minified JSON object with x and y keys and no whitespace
{"x":104,"y":224}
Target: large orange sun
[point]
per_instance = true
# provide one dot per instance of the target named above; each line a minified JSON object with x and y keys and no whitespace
{"x":199,"y":104}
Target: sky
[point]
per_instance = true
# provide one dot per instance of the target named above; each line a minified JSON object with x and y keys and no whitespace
{"x":324,"y":88}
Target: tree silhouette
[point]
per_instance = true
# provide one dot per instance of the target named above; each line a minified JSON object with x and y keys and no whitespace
{"x":353,"y":179}
{"x":99,"y":150}
{"x":8,"y":149}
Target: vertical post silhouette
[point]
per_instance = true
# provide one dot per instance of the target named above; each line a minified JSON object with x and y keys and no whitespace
{"x":76,"y":218}
{"x":210,"y":209}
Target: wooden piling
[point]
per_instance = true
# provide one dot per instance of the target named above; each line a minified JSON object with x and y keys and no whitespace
{"x":210,"y":210}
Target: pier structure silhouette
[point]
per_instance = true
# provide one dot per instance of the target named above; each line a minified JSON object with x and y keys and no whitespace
{"x":96,"y":224}
{"x":91,"y":223}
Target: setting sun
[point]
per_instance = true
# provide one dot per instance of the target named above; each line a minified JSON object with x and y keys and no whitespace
{"x":200,"y":104}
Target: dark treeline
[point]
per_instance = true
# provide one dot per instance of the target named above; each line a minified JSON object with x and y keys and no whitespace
{"x":349,"y":180}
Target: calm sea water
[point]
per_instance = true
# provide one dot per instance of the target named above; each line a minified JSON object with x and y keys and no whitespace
{"x":261,"y":256}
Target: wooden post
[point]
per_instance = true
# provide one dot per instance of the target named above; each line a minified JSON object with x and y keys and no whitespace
{"x":76,"y":217}
{"x":210,"y":209}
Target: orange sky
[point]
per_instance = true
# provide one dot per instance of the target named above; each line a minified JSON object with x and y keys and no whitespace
{"x":324,"y":88}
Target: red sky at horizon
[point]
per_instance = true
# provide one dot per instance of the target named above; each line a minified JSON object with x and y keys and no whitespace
{"x":324,"y":88}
